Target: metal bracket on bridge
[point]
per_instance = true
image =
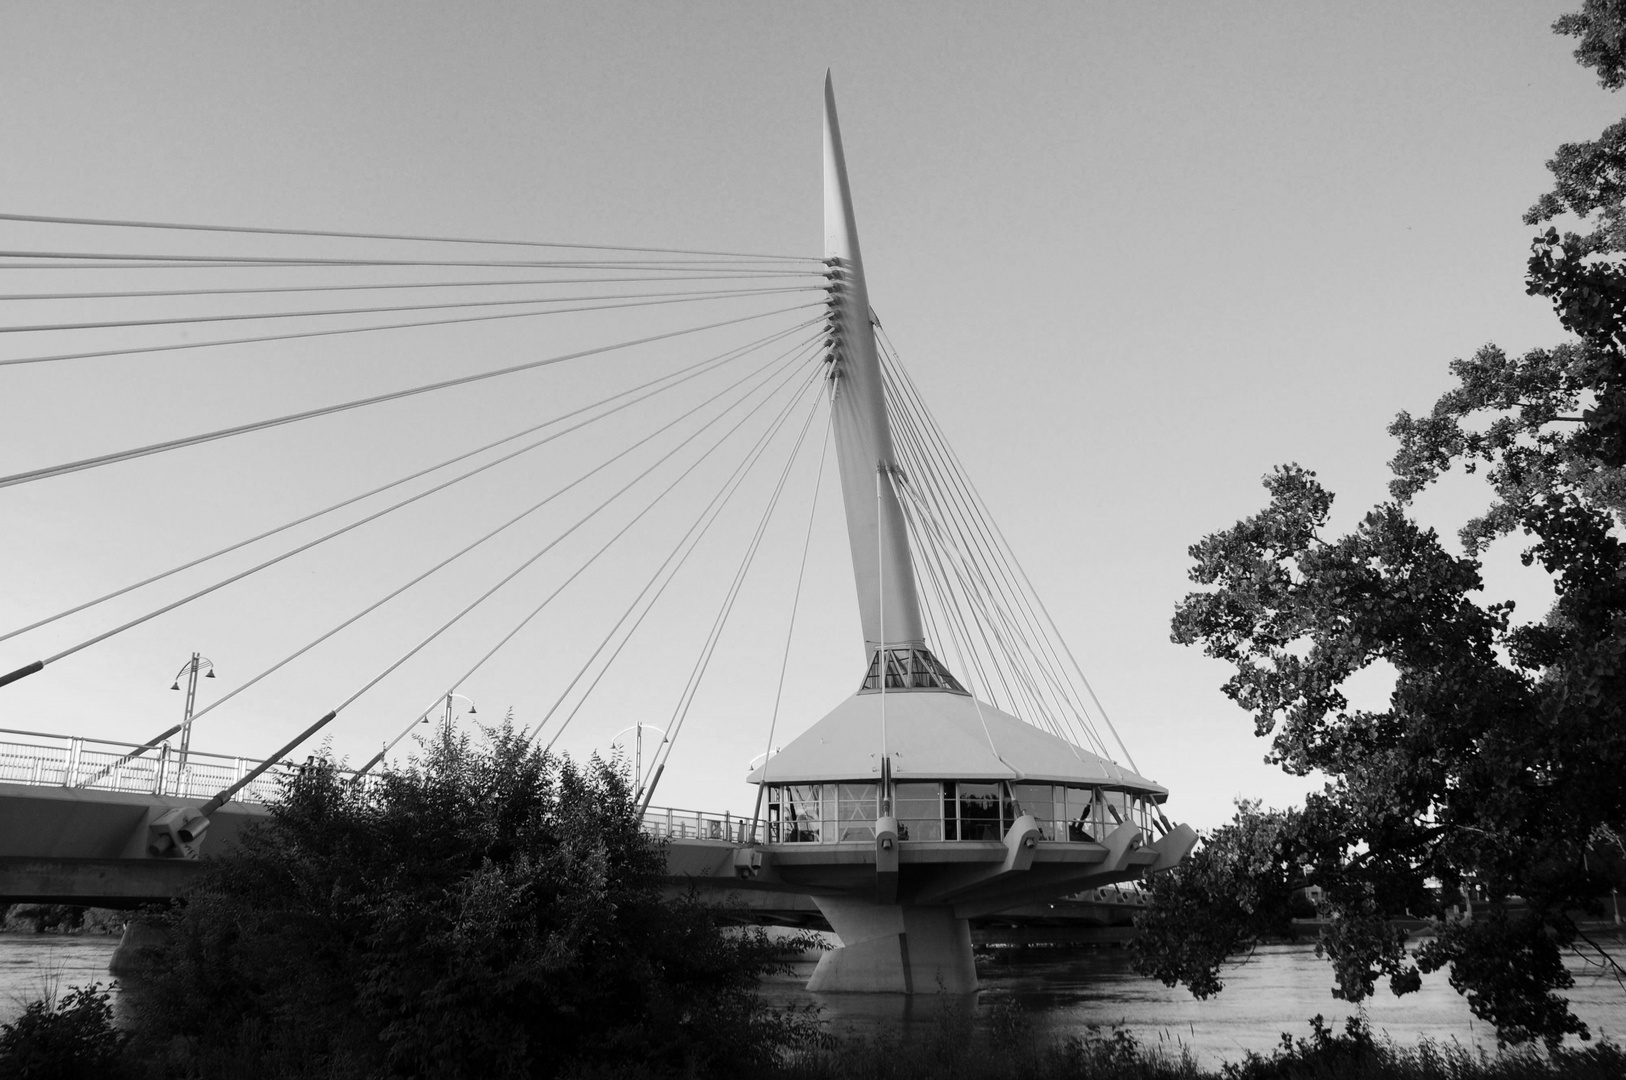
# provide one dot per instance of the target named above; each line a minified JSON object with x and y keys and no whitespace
{"x":747,"y":862}
{"x":1172,"y":847}
{"x":1120,"y":844}
{"x":1021,"y":842}
{"x":177,"y":833}
{"x":886,"y":859}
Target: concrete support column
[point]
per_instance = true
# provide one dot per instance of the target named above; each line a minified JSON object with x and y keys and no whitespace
{"x":894,"y":949}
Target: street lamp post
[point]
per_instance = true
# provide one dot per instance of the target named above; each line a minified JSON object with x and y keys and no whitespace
{"x":190,"y":669}
{"x":448,"y":720}
{"x":638,"y":752}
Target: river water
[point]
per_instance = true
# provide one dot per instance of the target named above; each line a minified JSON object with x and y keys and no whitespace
{"x":1063,"y":991}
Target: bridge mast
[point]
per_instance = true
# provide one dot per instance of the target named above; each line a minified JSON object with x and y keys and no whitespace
{"x":888,"y":604}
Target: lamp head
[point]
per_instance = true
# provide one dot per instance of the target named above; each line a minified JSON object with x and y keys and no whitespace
{"x":177,"y":685}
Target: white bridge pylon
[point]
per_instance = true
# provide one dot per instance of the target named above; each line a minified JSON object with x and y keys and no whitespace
{"x":913,"y":806}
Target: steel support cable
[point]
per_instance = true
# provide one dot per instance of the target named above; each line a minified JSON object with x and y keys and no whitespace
{"x":682,"y":375}
{"x":331,"y":714}
{"x":986,"y":623}
{"x":965,"y":479}
{"x":44,"y":219}
{"x":204,"y":263}
{"x":140,"y":294}
{"x":964,"y":595}
{"x":923,"y":490}
{"x":969,"y":666}
{"x":948,"y":603}
{"x":970,"y":661}
{"x":334,"y":332}
{"x":1016,"y":774}
{"x":692,"y":687}
{"x":135,"y":260}
{"x":790,"y":628}
{"x":932,"y":544}
{"x":941,"y":637}
{"x":1024,"y":662}
{"x":674,"y":297}
{"x":1060,"y":687}
{"x":499,"y":529}
{"x":526,"y":621}
{"x":1001,"y":599}
{"x":37,"y":665}
{"x":994,"y":617}
{"x":376,"y":399}
{"x":1003,"y":558}
{"x":565,"y":723}
{"x":624,"y":529}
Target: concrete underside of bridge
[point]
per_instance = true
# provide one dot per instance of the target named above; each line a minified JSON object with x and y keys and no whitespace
{"x":904,"y":917}
{"x":76,"y":846}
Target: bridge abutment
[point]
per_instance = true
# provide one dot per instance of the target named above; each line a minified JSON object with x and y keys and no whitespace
{"x":894,"y":949}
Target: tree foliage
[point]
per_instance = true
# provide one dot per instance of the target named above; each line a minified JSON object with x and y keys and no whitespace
{"x":489,"y":912}
{"x":1500,"y":759}
{"x":71,"y":1038}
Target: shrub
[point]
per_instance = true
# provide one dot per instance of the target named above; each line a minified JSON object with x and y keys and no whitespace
{"x":489,"y":912}
{"x":70,"y":1039}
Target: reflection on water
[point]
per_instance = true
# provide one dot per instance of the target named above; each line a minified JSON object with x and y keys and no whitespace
{"x":1279,"y":989}
{"x":36,"y":965}
{"x":1065,"y":991}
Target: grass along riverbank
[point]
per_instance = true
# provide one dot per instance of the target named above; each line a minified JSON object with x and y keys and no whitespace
{"x":73,"y":1036}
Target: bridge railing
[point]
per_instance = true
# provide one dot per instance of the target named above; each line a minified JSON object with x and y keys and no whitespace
{"x":34,"y":757}
{"x":668,"y":822}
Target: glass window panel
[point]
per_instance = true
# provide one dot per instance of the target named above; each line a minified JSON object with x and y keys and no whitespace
{"x":919,"y":810}
{"x":855,"y":811}
{"x":978,"y":806}
{"x":1078,"y":809}
{"x":1038,"y":800}
{"x":801,"y":813}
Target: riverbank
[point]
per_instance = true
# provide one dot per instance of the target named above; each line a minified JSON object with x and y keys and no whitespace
{"x":60,"y":919}
{"x":1008,"y":1050}
{"x":76,"y":1034}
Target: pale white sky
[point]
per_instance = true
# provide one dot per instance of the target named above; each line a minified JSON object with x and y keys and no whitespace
{"x":1135,"y":255}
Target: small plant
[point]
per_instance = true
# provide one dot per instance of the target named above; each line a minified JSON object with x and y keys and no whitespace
{"x":64,"y":1039}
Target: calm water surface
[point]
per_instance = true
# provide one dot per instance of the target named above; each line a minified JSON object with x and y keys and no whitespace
{"x":1278,"y":990}
{"x":1064,"y":991}
{"x":31,"y":965}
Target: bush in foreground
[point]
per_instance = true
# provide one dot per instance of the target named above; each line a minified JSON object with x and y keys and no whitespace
{"x":490,"y":912}
{"x":72,"y":1038}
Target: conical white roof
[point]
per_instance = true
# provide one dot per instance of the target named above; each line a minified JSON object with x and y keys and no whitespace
{"x":938,"y":735}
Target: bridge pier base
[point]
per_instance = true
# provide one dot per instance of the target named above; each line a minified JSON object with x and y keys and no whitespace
{"x":894,"y":949}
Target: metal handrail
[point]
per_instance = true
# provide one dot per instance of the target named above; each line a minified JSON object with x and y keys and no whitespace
{"x":108,"y":765}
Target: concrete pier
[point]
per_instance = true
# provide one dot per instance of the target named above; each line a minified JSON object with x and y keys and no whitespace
{"x":894,"y":949}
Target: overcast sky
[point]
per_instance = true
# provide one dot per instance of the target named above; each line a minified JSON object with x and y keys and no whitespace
{"x":1135,"y":255}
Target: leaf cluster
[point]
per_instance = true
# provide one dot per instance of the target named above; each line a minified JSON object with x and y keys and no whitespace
{"x":68,"y":1039}
{"x":1499,"y":761}
{"x":491,"y":911}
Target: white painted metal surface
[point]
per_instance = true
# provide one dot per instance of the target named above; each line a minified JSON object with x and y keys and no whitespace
{"x":875,"y":526}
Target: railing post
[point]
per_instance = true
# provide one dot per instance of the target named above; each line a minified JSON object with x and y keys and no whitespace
{"x":158,"y":773}
{"x":668,"y":821}
{"x":75,"y":745}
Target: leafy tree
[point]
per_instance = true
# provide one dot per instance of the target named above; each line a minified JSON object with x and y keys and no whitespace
{"x":489,"y":912}
{"x":1500,"y":761}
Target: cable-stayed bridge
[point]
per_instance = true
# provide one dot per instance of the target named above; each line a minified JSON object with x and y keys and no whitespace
{"x":662,"y":471}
